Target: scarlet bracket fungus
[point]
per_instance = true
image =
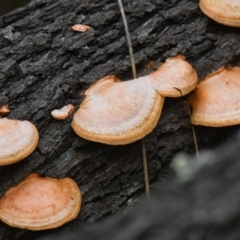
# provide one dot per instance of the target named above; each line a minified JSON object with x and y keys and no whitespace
{"x":18,"y":139}
{"x":115,"y":112}
{"x":80,"y":28}
{"x":39,"y":203}
{"x":216,"y":100}
{"x":4,"y":110}
{"x":175,"y":78}
{"x":62,"y":113}
{"x":226,"y":12}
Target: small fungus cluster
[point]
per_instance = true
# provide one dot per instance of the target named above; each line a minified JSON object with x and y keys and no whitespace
{"x":36,"y":203}
{"x":116,"y":112}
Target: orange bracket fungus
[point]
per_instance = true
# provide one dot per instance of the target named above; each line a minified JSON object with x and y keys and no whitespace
{"x":175,"y":78}
{"x":18,"y":139}
{"x":226,"y":12}
{"x":80,"y":28}
{"x":216,"y":100}
{"x":4,"y":110}
{"x":62,"y":113}
{"x":39,"y":203}
{"x":115,"y":112}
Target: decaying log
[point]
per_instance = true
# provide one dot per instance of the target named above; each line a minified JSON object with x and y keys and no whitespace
{"x":202,"y":203}
{"x":44,"y":65}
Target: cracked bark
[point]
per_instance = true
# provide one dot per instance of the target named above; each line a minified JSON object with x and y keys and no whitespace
{"x":202,"y":203}
{"x":45,"y":65}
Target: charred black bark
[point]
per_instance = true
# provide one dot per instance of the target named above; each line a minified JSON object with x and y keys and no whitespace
{"x":45,"y":65}
{"x":203,"y":206}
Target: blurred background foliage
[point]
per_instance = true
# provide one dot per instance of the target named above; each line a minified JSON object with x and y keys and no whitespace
{"x":9,"y":5}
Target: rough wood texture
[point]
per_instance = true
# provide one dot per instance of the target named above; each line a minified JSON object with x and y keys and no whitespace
{"x":45,"y":65}
{"x":203,"y":206}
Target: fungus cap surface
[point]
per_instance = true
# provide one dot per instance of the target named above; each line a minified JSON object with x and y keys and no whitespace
{"x":62,"y":113}
{"x":226,"y":12}
{"x":39,"y":203}
{"x":18,"y":139}
{"x":4,"y":110}
{"x":115,"y":112}
{"x":175,"y":78}
{"x":216,"y":100}
{"x":80,"y":28}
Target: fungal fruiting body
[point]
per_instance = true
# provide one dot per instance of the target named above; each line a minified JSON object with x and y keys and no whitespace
{"x":80,"y":28}
{"x":18,"y":139}
{"x":216,"y":100}
{"x":175,"y":78}
{"x":4,"y":110}
{"x":116,"y":112}
{"x":62,"y":113}
{"x":39,"y":203}
{"x":226,"y":12}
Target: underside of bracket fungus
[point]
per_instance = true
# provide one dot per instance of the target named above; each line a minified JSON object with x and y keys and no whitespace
{"x":216,"y":100}
{"x":175,"y":78}
{"x":115,"y":112}
{"x":18,"y":139}
{"x":226,"y":12}
{"x":39,"y":203}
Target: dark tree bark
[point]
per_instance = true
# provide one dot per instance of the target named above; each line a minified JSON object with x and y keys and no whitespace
{"x":202,"y":204}
{"x":45,"y":65}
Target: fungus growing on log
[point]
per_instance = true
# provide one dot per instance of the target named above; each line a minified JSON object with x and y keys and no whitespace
{"x":175,"y":78}
{"x":216,"y":100}
{"x":80,"y":28}
{"x":4,"y":110}
{"x":226,"y":12}
{"x":62,"y":113}
{"x":39,"y":203}
{"x":18,"y":139}
{"x":115,"y":112}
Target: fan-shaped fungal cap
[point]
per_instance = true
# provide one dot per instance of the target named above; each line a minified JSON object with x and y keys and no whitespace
{"x":226,"y":12}
{"x":80,"y":28}
{"x":39,"y":203}
{"x":216,"y":100}
{"x":175,"y":78}
{"x":116,"y":112}
{"x":18,"y":139}
{"x":62,"y":113}
{"x":4,"y":110}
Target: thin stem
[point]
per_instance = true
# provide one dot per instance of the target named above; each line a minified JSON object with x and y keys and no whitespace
{"x":145,"y":168}
{"x":128,"y":39}
{"x":193,"y":129}
{"x":144,"y":155}
{"x":194,"y":136}
{"x":161,"y":33}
